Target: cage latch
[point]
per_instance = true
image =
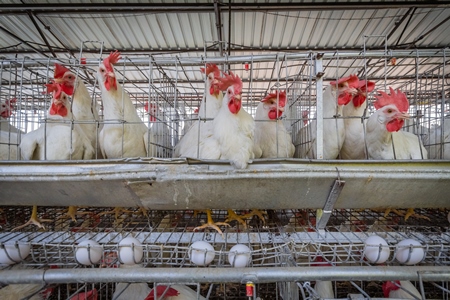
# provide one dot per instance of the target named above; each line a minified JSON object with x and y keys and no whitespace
{"x":323,"y":215}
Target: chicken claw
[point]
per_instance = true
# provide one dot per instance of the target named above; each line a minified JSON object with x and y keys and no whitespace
{"x":233,"y":216}
{"x":211,"y":224}
{"x":33,"y":220}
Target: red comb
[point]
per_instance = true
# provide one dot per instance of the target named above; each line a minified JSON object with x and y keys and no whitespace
{"x":196,"y":110}
{"x":160,"y":290}
{"x":110,"y":60}
{"x":362,"y":86}
{"x":397,"y":98}
{"x":146,"y":106}
{"x":229,"y":80}
{"x":60,"y":71}
{"x":281,"y":97}
{"x":389,"y":286}
{"x":211,"y":68}
{"x":352,"y":80}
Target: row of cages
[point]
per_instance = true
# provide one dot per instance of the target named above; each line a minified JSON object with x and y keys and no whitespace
{"x":137,"y":238}
{"x":175,"y":85}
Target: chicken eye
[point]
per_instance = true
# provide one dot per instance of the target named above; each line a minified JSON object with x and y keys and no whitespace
{"x":389,"y":111}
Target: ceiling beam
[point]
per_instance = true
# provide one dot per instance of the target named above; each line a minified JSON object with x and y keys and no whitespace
{"x":23,"y":42}
{"x":44,"y":38}
{"x":125,"y":8}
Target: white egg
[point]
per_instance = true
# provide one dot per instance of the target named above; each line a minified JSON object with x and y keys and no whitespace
{"x":372,"y":251}
{"x":239,"y":256}
{"x":408,"y":255}
{"x":14,"y":252}
{"x":130,"y":251}
{"x":88,"y":252}
{"x":201,"y":253}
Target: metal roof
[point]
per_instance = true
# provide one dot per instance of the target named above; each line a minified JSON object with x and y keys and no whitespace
{"x":52,"y":28}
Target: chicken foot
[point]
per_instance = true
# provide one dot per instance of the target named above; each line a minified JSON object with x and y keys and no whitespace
{"x":33,"y":220}
{"x":71,"y":213}
{"x":211,"y":224}
{"x":409,"y":213}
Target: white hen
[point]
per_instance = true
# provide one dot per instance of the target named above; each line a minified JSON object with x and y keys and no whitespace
{"x":6,"y":111}
{"x":191,"y":144}
{"x":271,"y":137}
{"x":56,"y":139}
{"x":123,"y":133}
{"x":384,"y":140}
{"x":233,"y":130}
{"x":391,"y":290}
{"x":354,"y":145}
{"x":84,"y":109}
{"x":335,"y":96}
{"x":160,"y":131}
{"x":439,"y":140}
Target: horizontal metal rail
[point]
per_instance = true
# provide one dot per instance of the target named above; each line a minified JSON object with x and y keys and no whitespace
{"x":186,"y":61}
{"x":211,"y":275}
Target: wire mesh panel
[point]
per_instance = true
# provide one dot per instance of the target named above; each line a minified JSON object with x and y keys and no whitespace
{"x":165,"y":239}
{"x":167,"y":91}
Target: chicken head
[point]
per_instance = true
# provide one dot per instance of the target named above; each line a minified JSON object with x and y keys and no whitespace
{"x":60,"y":100}
{"x":363,"y":88}
{"x":106,"y":70}
{"x":7,"y":108}
{"x":345,"y":88}
{"x":232,"y":84}
{"x":212,"y":72}
{"x":65,"y":78}
{"x":393,"y":109}
{"x":274,"y":109}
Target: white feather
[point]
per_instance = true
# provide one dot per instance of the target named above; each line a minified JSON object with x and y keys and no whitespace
{"x":333,"y":131}
{"x":192,"y":144}
{"x":381,"y":143}
{"x":57,"y":139}
{"x":271,"y":137}
{"x":353,"y":146}
{"x":435,"y":143}
{"x":123,"y":133}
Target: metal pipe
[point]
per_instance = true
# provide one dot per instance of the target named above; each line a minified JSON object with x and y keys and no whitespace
{"x":125,"y":8}
{"x":237,"y":59}
{"x":210,"y":275}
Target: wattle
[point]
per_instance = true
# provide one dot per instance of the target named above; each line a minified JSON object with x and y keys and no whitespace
{"x":395,"y":125}
{"x":234,"y":106}
{"x":67,"y":89}
{"x":275,"y":114}
{"x":58,"y":110}
{"x":358,"y":100}
{"x":344,"y":98}
{"x":110,"y":82}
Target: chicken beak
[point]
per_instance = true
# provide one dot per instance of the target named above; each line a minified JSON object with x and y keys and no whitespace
{"x":58,"y":80}
{"x":404,"y":116}
{"x":237,"y":97}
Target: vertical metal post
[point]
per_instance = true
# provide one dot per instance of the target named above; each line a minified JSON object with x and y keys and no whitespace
{"x":318,"y":64}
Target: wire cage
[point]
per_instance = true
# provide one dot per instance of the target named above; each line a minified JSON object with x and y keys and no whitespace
{"x":165,"y":239}
{"x":174,"y":85}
